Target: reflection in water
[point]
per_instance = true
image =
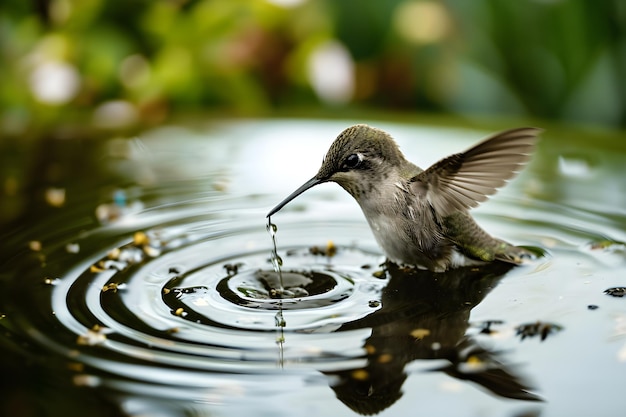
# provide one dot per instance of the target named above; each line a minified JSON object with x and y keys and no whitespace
{"x":425,"y":316}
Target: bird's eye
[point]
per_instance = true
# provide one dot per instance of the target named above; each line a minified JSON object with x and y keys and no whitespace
{"x":351,"y":162}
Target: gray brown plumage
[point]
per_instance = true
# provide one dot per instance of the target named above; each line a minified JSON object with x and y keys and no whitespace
{"x":420,"y":217}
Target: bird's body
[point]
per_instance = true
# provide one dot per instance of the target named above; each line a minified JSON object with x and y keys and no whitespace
{"x":420,"y":217}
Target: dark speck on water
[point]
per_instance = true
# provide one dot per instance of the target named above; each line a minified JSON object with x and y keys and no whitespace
{"x":616,"y":291}
{"x":148,"y":285}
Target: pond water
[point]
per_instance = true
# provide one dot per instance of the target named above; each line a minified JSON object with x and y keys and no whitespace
{"x":138,"y":281}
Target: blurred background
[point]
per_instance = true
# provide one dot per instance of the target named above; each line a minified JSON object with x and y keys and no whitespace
{"x":119,"y":65}
{"x":75,"y":70}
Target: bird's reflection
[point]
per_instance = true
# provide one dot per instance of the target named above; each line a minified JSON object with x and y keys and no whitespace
{"x":425,"y":316}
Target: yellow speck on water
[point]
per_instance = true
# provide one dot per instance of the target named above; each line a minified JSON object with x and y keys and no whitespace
{"x":166,"y":290}
{"x":110,"y":287}
{"x":92,"y":337}
{"x":331,"y":249}
{"x":55,"y":196}
{"x":385,"y":358}
{"x":34,"y":245}
{"x":419,"y":334}
{"x":179,"y":311}
{"x":474,"y":360}
{"x":114,"y":253}
{"x":370,"y":349}
{"x":140,"y":238}
{"x":378,"y":274}
{"x":360,"y":375}
{"x":150,"y":251}
{"x":95,"y":268}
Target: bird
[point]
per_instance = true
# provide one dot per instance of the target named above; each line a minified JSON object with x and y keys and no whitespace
{"x":421,"y":218}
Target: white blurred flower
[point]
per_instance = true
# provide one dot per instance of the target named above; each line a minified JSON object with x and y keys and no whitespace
{"x":54,"y":82}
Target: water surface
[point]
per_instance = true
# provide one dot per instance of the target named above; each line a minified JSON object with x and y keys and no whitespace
{"x":138,"y":281}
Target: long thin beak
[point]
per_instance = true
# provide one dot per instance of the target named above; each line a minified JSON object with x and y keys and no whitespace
{"x":310,"y":183}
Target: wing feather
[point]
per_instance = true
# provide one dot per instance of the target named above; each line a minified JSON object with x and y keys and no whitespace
{"x":462,"y":181}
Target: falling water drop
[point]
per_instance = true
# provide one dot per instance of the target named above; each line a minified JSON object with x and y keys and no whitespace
{"x":276,"y":260}
{"x":277,"y":263}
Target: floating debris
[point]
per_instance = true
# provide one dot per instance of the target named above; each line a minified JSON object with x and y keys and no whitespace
{"x":112,"y":286}
{"x":94,"y":336}
{"x":381,"y":274}
{"x":105,"y":264}
{"x":107,"y":213}
{"x":538,"y":328}
{"x":360,"y":375}
{"x":419,"y":334}
{"x":34,"y":245}
{"x":374,"y":303}
{"x":151,"y":251}
{"x":55,"y":196}
{"x":140,"y":239}
{"x":592,"y":307}
{"x":50,"y":281}
{"x":385,"y":358}
{"x":180,"y":312}
{"x":607,"y":243}
{"x":97,"y":267}
{"x":330,"y":250}
{"x":118,"y":208}
{"x":486,"y":326}
{"x":130,"y":255}
{"x":84,"y":380}
{"x":142,"y":246}
{"x":232,"y":269}
{"x":616,"y":291}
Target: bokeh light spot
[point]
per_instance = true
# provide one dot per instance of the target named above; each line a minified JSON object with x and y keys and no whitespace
{"x":422,"y":22}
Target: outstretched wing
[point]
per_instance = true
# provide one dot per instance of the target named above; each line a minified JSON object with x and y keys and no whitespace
{"x":464,"y":180}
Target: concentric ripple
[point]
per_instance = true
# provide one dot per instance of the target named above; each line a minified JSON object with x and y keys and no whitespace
{"x":170,"y":296}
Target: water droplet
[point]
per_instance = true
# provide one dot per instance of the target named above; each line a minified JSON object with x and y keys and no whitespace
{"x":271,"y":227}
{"x":280,"y":319}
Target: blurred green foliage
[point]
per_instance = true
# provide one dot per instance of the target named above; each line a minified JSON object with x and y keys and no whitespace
{"x":117,"y":64}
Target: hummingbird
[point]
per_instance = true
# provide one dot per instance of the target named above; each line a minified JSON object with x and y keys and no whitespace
{"x":419,"y":217}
